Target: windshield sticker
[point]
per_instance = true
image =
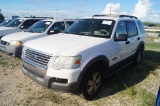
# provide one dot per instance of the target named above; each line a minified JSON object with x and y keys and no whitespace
{"x":47,"y":23}
{"x":107,"y":22}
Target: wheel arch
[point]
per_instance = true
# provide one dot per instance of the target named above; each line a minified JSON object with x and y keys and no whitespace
{"x":140,"y":46}
{"x":99,"y":60}
{"x":1,"y":36}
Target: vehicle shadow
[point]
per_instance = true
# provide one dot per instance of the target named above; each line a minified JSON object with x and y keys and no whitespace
{"x":131,"y":75}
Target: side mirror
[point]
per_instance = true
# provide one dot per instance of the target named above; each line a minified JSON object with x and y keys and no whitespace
{"x":121,"y":37}
{"x":54,"y":31}
{"x":51,"y":32}
{"x":21,"y":27}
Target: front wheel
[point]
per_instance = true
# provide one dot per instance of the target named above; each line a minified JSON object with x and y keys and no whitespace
{"x":91,"y":84}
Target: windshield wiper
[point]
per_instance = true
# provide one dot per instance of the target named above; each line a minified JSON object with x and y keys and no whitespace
{"x":32,"y":31}
{"x":84,"y":34}
{"x":66,"y":32}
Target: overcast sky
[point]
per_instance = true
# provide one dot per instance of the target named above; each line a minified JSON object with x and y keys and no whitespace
{"x":146,"y":10}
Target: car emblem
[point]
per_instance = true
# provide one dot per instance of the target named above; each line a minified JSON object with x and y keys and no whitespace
{"x":34,"y":56}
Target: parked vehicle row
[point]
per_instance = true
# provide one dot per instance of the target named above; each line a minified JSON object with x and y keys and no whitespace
{"x":17,"y":25}
{"x":12,"y":44}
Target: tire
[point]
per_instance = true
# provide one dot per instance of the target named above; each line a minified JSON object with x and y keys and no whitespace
{"x":91,"y":84}
{"x":138,"y":57}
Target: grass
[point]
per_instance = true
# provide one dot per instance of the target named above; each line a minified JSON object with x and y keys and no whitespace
{"x":133,"y":81}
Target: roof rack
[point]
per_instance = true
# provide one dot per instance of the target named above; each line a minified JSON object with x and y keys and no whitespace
{"x":114,"y":15}
{"x":40,"y":17}
{"x":128,"y":16}
{"x":109,"y":15}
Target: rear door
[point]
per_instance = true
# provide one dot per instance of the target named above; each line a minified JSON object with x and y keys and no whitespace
{"x":133,"y":37}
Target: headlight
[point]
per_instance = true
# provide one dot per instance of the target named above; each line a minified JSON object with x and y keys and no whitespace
{"x":15,"y":43}
{"x":64,"y":62}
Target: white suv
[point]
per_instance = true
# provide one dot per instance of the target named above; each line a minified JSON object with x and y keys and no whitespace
{"x":89,"y":50}
{"x":12,"y":44}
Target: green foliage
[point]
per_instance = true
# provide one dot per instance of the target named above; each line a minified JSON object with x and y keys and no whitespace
{"x":1,"y":17}
{"x":156,"y":24}
{"x":148,"y":99}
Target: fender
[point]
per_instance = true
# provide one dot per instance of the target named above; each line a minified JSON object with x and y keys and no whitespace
{"x":102,"y":58}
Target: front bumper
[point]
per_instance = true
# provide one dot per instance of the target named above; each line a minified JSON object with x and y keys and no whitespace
{"x":46,"y":81}
{"x":11,"y":50}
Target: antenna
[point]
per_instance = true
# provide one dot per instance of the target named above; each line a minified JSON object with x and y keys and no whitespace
{"x":27,"y":12}
{"x":56,"y":12}
{"x":110,"y":6}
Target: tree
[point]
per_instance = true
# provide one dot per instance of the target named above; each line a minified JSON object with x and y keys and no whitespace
{"x":1,"y":17}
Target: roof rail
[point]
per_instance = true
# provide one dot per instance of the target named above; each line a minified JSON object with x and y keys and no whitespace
{"x":40,"y":17}
{"x":114,"y":15}
{"x":108,"y":15}
{"x":128,"y":16}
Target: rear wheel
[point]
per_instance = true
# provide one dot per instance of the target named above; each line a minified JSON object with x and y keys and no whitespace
{"x":138,"y":57}
{"x":91,"y":84}
{"x":159,"y":38}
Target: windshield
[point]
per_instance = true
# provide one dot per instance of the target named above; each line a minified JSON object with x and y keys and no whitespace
{"x":92,"y":27}
{"x":39,"y":27}
{"x":4,"y":23}
{"x":14,"y":23}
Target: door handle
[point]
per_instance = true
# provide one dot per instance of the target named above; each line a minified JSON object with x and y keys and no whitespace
{"x":127,"y":42}
{"x":138,"y":38}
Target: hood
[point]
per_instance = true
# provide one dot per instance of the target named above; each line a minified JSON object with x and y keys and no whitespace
{"x":7,"y":30}
{"x":21,"y":36}
{"x":63,"y":44}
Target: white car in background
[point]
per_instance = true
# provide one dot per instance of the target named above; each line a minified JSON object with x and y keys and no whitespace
{"x":17,"y":25}
{"x":12,"y":44}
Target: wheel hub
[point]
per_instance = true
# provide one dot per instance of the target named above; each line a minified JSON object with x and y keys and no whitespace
{"x":94,"y":83}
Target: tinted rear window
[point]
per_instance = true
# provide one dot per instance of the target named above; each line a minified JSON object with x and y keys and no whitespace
{"x":141,"y":27}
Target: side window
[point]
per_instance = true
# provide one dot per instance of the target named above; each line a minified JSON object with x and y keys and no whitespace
{"x":132,"y":30}
{"x":69,"y":23}
{"x":28,"y":23}
{"x":141,"y":27}
{"x":121,"y":28}
{"x":60,"y":26}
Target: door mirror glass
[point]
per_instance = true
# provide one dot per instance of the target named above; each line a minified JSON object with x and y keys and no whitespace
{"x":54,"y":31}
{"x":51,"y":32}
{"x":21,"y":27}
{"x":121,"y":37}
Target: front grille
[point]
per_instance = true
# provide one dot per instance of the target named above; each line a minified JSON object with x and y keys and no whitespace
{"x":37,"y":57}
{"x":3,"y":42}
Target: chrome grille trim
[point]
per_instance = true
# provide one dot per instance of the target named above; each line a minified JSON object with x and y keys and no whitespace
{"x":37,"y":58}
{"x":34,"y":72}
